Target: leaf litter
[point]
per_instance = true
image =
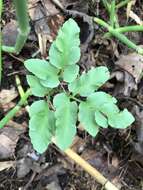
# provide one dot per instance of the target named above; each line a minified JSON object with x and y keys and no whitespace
{"x":114,"y":155}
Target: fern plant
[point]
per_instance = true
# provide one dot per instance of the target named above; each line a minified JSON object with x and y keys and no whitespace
{"x":69,"y":97}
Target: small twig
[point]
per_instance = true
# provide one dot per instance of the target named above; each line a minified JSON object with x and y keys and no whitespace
{"x":48,"y":171}
{"x":88,"y":168}
{"x":30,"y":181}
{"x":91,"y":170}
{"x":17,"y":58}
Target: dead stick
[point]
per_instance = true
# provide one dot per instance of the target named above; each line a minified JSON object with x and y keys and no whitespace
{"x":88,"y":168}
{"x":91,"y":170}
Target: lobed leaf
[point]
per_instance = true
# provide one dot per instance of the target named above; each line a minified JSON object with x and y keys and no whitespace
{"x":65,"y":49}
{"x":107,"y":112}
{"x":70,"y":73}
{"x":44,"y":71}
{"x":36,"y":87}
{"x":103,"y":102}
{"x":87,"y":118}
{"x":100,"y":119}
{"x":66,"y":117}
{"x":100,"y":110}
{"x":121,"y":120}
{"x":41,"y":125}
{"x":89,"y":82}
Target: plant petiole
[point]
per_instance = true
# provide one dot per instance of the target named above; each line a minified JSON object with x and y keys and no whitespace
{"x":74,"y":98}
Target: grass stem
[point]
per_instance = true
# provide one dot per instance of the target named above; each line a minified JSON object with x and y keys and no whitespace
{"x":122,"y":4}
{"x":119,"y":35}
{"x":12,"y":112}
{"x":106,"y":5}
{"x":112,"y":13}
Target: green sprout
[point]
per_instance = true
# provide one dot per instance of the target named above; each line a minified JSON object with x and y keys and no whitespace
{"x":68,"y":96}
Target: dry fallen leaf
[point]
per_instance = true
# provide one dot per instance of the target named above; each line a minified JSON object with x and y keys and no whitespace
{"x":125,"y":83}
{"x":23,"y":167}
{"x":129,"y":7}
{"x":135,"y":17}
{"x":132,"y":63}
{"x":10,"y":28}
{"x":78,"y":144}
{"x":46,"y":20}
{"x":6,"y":96}
{"x":6,"y":164}
{"x":132,"y":14}
{"x":52,"y":186}
{"x":8,"y":140}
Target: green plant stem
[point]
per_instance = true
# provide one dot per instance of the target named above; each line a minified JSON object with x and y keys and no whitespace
{"x":23,"y":24}
{"x":1,"y":5}
{"x":19,"y":87}
{"x":134,"y":28}
{"x":22,"y":15}
{"x":106,"y":5}
{"x":112,"y":13}
{"x":91,"y":170}
{"x":74,"y":98}
{"x":12,"y":112}
{"x":118,"y":35}
{"x":122,"y":3}
{"x":108,"y":8}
